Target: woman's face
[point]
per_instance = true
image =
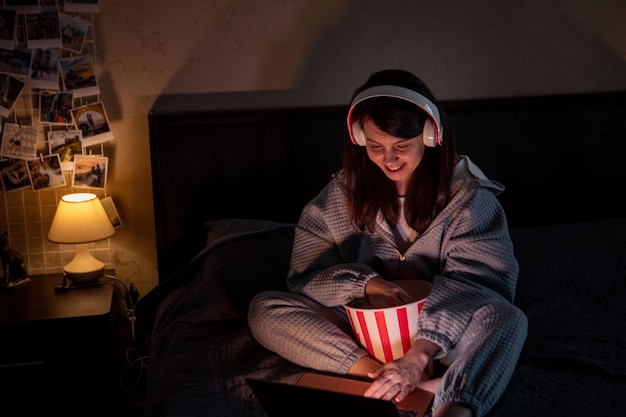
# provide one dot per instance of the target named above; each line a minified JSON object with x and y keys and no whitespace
{"x":396,"y":157}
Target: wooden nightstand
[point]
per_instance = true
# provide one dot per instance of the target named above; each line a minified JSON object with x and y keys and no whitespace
{"x":56,"y":349}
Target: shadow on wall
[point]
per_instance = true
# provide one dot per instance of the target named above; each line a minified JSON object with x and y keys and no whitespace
{"x":461,"y":49}
{"x":469,"y":50}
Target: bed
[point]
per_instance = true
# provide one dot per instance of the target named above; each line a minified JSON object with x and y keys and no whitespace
{"x":232,"y":172}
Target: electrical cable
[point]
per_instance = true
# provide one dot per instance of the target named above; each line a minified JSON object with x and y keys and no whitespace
{"x":136,"y":363}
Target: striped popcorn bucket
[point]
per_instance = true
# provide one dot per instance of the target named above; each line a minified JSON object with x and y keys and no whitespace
{"x":388,"y":333}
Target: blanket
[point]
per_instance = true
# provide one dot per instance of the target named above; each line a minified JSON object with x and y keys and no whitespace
{"x":572,"y":287}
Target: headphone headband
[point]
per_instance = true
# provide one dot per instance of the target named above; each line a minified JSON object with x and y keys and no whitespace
{"x":432,"y":137}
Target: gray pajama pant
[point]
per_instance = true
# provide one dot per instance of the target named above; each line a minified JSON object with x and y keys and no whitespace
{"x":320,"y":338}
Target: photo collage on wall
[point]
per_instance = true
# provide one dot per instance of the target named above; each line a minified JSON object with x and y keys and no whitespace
{"x":44,"y":58}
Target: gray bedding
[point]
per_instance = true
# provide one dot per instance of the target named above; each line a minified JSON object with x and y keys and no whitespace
{"x":572,"y":286}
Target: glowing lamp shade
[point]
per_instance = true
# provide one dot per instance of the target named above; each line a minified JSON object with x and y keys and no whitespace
{"x":80,"y":219}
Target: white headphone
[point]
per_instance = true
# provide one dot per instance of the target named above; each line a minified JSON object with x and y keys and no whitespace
{"x":433,"y":131}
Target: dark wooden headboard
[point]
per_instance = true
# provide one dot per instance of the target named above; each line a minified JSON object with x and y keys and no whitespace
{"x":212,"y":157}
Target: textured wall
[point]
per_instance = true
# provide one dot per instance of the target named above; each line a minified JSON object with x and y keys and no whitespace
{"x":322,"y":50}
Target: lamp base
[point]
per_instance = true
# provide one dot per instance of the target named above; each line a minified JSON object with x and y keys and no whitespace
{"x":84,"y":278}
{"x":84,"y":268}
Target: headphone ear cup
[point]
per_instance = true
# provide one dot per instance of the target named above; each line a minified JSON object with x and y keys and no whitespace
{"x":429,"y":134}
{"x":358,"y":137}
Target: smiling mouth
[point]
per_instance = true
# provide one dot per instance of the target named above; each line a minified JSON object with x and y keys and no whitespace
{"x":394,"y":169}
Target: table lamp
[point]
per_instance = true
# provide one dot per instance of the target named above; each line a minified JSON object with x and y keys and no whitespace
{"x":80,"y":219}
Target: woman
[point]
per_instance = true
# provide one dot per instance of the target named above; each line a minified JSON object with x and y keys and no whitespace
{"x":404,"y":206}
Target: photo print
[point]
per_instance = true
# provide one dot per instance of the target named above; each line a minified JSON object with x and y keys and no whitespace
{"x":14,"y":174}
{"x":30,"y":5}
{"x":79,"y":76}
{"x":81,"y":6}
{"x":16,"y":61}
{"x":44,"y":69}
{"x":23,"y":6}
{"x":93,"y":122}
{"x":90,"y":171}
{"x":8,"y":19}
{"x":111,"y":211}
{"x":55,"y":107}
{"x":10,"y":90}
{"x":19,"y":141}
{"x":73,"y":32}
{"x":45,"y":172}
{"x":43,"y":29}
{"x":66,"y":144}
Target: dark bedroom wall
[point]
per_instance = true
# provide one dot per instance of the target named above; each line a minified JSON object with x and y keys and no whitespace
{"x":320,"y":51}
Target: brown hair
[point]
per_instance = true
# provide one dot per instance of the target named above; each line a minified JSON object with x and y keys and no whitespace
{"x":368,"y":189}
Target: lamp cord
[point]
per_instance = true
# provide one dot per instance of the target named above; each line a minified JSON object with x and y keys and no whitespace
{"x":136,"y":362}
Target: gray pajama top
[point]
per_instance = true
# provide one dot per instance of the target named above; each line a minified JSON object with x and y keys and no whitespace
{"x":466,"y":253}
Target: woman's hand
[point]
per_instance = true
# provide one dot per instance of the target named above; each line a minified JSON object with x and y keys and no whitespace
{"x":396,"y":379}
{"x":381,"y":293}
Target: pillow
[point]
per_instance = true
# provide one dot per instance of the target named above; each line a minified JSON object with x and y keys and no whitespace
{"x":229,"y":228}
{"x":242,"y":257}
{"x":569,"y":262}
{"x":572,"y":287}
{"x":253,"y":256}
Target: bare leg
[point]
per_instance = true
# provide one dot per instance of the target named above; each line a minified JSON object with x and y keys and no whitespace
{"x":363,"y":366}
{"x":429,"y":385}
{"x":452,"y":410}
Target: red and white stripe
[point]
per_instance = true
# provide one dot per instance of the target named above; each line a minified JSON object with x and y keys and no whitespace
{"x":388,"y":333}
